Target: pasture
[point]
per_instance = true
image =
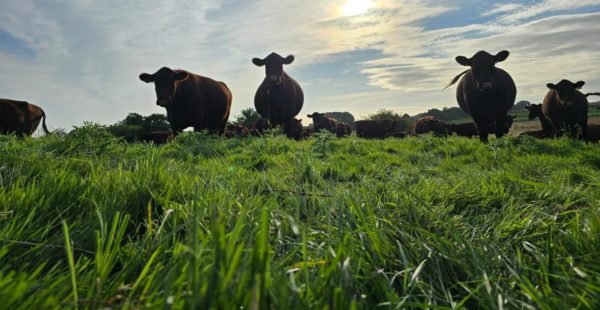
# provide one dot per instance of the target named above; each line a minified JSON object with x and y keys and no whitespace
{"x":204,"y":222}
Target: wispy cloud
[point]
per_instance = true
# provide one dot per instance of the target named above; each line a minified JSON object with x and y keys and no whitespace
{"x":88,"y":54}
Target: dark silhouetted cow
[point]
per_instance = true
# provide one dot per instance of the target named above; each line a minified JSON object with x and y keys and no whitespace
{"x":20,"y":118}
{"x":279,"y":98}
{"x":379,"y":129}
{"x":535,"y":111}
{"x":470,"y":130}
{"x":320,"y":122}
{"x":430,"y":124}
{"x":236,"y":130}
{"x":260,"y":126}
{"x":485,"y":92}
{"x":342,"y":129}
{"x":566,"y":108}
{"x":295,"y":130}
{"x":157,"y":137}
{"x":191,"y":100}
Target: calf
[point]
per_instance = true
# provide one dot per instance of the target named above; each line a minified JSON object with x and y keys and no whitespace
{"x":321,"y":122}
{"x":430,"y":124}
{"x":342,"y":129}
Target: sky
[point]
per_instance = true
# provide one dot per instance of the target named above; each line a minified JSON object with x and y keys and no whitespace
{"x":80,"y":59}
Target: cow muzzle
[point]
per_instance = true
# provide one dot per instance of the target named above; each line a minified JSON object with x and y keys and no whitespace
{"x":275,"y":79}
{"x":483,"y":86}
{"x":162,"y":103}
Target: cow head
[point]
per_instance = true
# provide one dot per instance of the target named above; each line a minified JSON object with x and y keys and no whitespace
{"x":566,"y":90}
{"x":483,"y":66}
{"x":164,"y":83}
{"x":535,"y":110}
{"x":274,"y":67}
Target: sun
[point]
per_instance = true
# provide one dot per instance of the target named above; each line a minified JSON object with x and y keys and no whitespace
{"x":356,"y":7}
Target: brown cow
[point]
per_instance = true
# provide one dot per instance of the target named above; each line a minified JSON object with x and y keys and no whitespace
{"x":236,"y":130}
{"x":191,"y":100}
{"x":379,"y":129}
{"x":295,"y":130}
{"x":593,"y":133}
{"x":307,"y":132}
{"x":20,"y":118}
{"x":430,"y":124}
{"x":279,"y":98}
{"x":157,"y":137}
{"x":321,"y":122}
{"x":535,"y":111}
{"x":470,"y":130}
{"x":485,"y":92}
{"x":342,"y":129}
{"x":566,"y":108}
{"x":260,"y":126}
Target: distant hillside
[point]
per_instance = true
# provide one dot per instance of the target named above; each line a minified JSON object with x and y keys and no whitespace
{"x":456,"y":115}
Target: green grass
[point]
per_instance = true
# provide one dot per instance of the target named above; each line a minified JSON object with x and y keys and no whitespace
{"x":87,"y":221}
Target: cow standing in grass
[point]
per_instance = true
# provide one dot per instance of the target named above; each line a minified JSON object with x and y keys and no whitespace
{"x":191,"y":100}
{"x":20,"y":118}
{"x":342,"y":129}
{"x":535,"y":111}
{"x":295,"y":130}
{"x":279,"y":97}
{"x":485,"y":92}
{"x":322,"y":122}
{"x":430,"y":124}
{"x":566,"y":108}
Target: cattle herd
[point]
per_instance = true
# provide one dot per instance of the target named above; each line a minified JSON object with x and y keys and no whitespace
{"x":484,"y":92}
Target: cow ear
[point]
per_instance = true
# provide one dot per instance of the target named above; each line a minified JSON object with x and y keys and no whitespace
{"x":148,"y":78}
{"x":463,"y":61}
{"x":551,"y":86}
{"x":258,"y":62}
{"x":579,"y":84}
{"x":500,"y":57}
{"x":180,"y":76}
{"x":288,"y":60}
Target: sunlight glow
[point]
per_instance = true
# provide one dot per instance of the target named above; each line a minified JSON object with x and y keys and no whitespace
{"x":356,"y":7}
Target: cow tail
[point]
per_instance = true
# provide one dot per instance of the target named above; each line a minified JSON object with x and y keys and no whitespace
{"x":455,"y":79}
{"x":592,"y":94}
{"x":44,"y":123}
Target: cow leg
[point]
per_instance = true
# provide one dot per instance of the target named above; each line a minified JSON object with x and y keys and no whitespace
{"x":482,"y":130}
{"x":500,"y":126}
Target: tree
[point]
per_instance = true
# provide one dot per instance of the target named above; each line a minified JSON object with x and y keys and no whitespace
{"x":247,"y":118}
{"x":156,"y":122}
{"x":134,"y":119}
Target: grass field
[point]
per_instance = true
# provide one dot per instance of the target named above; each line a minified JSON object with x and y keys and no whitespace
{"x":89,"y":222}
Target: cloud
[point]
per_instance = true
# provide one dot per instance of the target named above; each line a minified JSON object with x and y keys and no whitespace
{"x":88,"y":54}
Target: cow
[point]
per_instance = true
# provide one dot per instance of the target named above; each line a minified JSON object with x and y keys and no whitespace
{"x":279,"y":98}
{"x":320,"y":122}
{"x":307,"y":132}
{"x":20,"y":118}
{"x":157,"y":137}
{"x":430,"y":124}
{"x":593,"y":133}
{"x":535,"y":111}
{"x":485,"y":92}
{"x":236,"y":130}
{"x":260,"y":126}
{"x":191,"y":100}
{"x":342,"y":129}
{"x":295,"y":130}
{"x":566,"y":108}
{"x":470,"y":130}
{"x":379,"y":129}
